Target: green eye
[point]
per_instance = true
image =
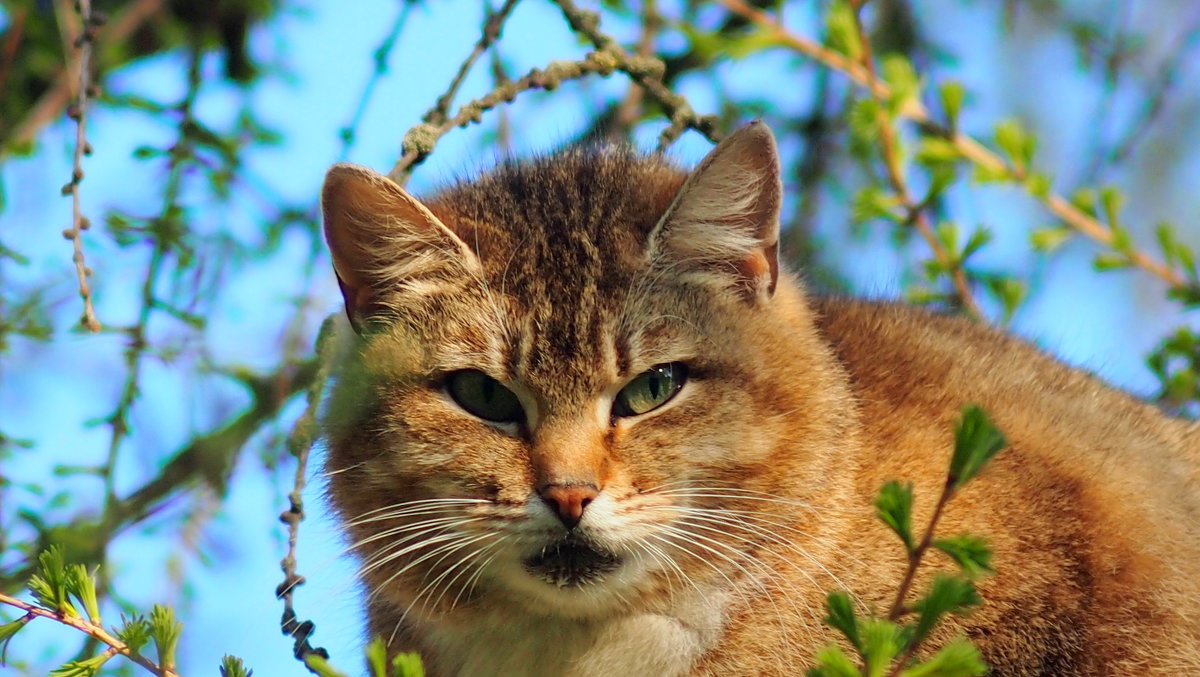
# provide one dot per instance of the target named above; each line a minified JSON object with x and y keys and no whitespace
{"x":650,"y":390}
{"x":483,"y":396}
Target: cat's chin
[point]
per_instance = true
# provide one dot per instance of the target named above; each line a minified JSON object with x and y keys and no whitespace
{"x":572,"y":563}
{"x":571,"y":577}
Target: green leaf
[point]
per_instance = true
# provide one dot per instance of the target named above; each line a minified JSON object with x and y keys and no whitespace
{"x":1110,"y":201}
{"x":407,"y":665}
{"x":1038,"y":184}
{"x":970,"y":552}
{"x":952,"y":94}
{"x":894,"y":507}
{"x":841,"y":617}
{"x":1084,"y":200}
{"x":1105,"y":261}
{"x":872,"y":203}
{"x":946,"y":233}
{"x":135,"y":632}
{"x":881,"y":645}
{"x":959,"y":658}
{"x":232,"y":666}
{"x":318,"y":664}
{"x":980,"y":237}
{"x":10,"y":630}
{"x":947,"y":594}
{"x":49,"y":585}
{"x":83,"y":586}
{"x":864,"y":120}
{"x":976,"y":441}
{"x":833,"y":662}
{"x":985,"y":174}
{"x":1009,"y":291}
{"x":1049,"y":239}
{"x":376,"y":653}
{"x":84,"y":668}
{"x":901,"y":77}
{"x":165,"y":629}
{"x":841,"y":30}
{"x":1017,"y":143}
{"x":934,"y":150}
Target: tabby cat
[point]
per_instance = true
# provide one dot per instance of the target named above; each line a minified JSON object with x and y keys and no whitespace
{"x":587,"y":424}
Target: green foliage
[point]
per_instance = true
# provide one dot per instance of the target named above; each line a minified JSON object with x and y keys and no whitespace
{"x":841,"y":29}
{"x":49,"y":585}
{"x":970,"y":552}
{"x":232,"y":666}
{"x":891,"y":645}
{"x":976,"y":441}
{"x":894,"y":507}
{"x":165,"y":630}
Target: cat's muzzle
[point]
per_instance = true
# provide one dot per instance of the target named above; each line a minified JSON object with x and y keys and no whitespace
{"x":572,"y":562}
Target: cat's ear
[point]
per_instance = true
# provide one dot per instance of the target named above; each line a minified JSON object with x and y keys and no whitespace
{"x":382,"y":238}
{"x":723,"y":225}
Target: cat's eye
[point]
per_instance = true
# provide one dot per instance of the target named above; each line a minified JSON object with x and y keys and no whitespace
{"x":483,"y":396}
{"x":650,"y":390}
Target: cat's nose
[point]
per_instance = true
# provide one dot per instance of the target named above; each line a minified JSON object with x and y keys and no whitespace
{"x":568,"y":501}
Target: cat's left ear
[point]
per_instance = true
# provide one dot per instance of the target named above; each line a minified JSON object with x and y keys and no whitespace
{"x":723,"y":226}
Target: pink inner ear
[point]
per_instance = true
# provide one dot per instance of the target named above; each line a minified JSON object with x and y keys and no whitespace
{"x":759,"y":265}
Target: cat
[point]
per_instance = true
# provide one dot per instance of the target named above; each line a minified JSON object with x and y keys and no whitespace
{"x":587,"y":424}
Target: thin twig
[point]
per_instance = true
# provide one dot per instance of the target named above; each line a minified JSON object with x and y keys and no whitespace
{"x":300,"y":444}
{"x":97,"y":632}
{"x":970,"y":149}
{"x":380,"y":60}
{"x":647,"y":72}
{"x":84,"y":44}
{"x":898,"y":608}
{"x":895,"y":173}
{"x":630,"y":108}
{"x":492,"y":25}
{"x":421,"y":139}
{"x":58,"y":97}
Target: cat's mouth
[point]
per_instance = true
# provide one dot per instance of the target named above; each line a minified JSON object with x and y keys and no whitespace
{"x":572,"y":562}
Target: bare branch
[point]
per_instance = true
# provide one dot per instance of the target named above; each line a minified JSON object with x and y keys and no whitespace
{"x":78,"y":112}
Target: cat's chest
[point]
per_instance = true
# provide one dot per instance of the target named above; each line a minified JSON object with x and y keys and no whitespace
{"x":637,"y":644}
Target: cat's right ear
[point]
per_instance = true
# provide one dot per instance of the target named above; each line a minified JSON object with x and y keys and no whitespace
{"x":381,"y":238}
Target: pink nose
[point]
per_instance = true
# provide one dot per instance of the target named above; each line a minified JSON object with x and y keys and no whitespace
{"x":568,"y":501}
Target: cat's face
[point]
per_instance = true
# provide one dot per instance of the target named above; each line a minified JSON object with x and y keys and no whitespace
{"x":573,"y":390}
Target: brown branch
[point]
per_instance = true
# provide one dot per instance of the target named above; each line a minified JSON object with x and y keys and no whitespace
{"x":647,"y":72}
{"x":380,"y":58}
{"x":300,"y":444}
{"x":12,"y":41}
{"x":492,"y":26}
{"x":970,"y":149}
{"x":84,"y":44}
{"x":58,"y":97}
{"x":896,"y":176}
{"x":97,"y":632}
{"x":628,"y":111}
{"x":421,"y":139}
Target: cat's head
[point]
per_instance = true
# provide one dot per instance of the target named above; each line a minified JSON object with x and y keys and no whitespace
{"x":578,"y":382}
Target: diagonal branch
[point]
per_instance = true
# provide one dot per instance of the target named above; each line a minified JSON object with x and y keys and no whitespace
{"x":970,"y":149}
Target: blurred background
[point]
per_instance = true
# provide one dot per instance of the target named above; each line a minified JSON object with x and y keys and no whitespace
{"x":1032,"y":164}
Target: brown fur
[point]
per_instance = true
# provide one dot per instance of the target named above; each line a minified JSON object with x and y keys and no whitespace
{"x":734,"y":507}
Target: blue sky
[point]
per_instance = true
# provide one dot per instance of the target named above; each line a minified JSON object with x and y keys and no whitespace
{"x":49,"y":390}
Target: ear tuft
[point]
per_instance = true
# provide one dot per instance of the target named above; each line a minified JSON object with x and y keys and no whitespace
{"x":723,"y":226}
{"x":382,"y":239}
